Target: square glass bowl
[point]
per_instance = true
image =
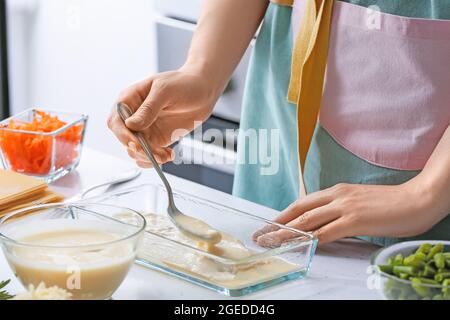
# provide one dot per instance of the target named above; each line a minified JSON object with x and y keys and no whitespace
{"x":45,"y":155}
{"x":161,"y":250}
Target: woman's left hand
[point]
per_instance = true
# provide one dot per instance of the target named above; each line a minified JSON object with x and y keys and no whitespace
{"x":348,"y":210}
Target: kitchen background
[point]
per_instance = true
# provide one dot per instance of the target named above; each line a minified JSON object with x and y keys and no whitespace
{"x":77,"y":55}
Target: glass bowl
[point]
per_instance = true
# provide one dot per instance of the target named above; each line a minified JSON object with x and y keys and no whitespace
{"x":81,"y":248}
{"x":163,"y":250}
{"x":45,"y":155}
{"x":394,"y":288}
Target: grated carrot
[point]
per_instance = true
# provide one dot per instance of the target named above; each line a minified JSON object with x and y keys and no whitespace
{"x":32,"y":153}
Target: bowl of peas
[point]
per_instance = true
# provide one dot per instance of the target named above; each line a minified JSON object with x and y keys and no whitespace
{"x":414,"y":270}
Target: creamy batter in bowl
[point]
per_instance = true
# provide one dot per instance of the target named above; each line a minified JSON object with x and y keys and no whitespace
{"x":80,"y":248}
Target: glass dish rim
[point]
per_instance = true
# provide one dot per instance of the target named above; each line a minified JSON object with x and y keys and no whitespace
{"x":400,"y":244}
{"x":82,"y":118}
{"x":3,"y":237}
{"x":312,"y":240}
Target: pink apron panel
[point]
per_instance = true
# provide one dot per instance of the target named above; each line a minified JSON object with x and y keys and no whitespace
{"x":387,"y":91}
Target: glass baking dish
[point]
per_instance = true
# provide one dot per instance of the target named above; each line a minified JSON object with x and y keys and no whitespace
{"x":232,"y":277}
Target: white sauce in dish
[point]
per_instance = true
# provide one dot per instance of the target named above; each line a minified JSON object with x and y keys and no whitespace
{"x":203,"y":267}
{"x":198,"y":227}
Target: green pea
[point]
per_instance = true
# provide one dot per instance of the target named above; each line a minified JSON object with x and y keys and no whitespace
{"x":436,"y":249}
{"x":420,"y":256}
{"x":412,"y":271}
{"x":424,"y":248}
{"x":428,"y":281}
{"x":446,"y":288}
{"x":387,"y":269}
{"x":439,"y":260}
{"x":415,"y":261}
{"x":398,"y":260}
{"x":440,"y":277}
{"x":421,"y":290}
{"x":429,"y":272}
{"x":404,"y":276}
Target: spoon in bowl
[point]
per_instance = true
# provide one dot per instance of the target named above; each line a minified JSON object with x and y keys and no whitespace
{"x":189,"y":226}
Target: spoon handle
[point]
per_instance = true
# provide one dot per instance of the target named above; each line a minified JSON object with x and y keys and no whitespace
{"x":124,"y":111}
{"x":118,"y":179}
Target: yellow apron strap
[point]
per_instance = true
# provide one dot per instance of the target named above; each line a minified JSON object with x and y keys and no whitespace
{"x":308,"y":72}
{"x":283,"y":2}
{"x":302,"y":47}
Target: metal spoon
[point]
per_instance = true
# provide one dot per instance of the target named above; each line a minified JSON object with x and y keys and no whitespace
{"x":117,"y":179}
{"x":191,"y":227}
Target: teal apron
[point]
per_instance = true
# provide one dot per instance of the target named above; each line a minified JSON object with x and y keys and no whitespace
{"x":265,"y":107}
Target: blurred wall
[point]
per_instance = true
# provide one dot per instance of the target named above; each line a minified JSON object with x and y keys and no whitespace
{"x":77,"y":55}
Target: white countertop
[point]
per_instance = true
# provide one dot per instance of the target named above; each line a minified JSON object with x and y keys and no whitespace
{"x":339,"y":270}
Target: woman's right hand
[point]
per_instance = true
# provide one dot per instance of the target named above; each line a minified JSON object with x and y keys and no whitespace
{"x":166,"y":107}
{"x":168,"y":102}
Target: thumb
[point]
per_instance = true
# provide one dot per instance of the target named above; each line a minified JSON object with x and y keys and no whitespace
{"x":146,"y":114}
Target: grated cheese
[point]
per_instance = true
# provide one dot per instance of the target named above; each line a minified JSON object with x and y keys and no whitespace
{"x":41,"y":292}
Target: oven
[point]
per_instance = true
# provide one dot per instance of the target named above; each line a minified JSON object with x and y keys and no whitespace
{"x":208,"y":156}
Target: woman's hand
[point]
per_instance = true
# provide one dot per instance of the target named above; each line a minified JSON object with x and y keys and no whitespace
{"x":167,"y":106}
{"x":348,"y":210}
